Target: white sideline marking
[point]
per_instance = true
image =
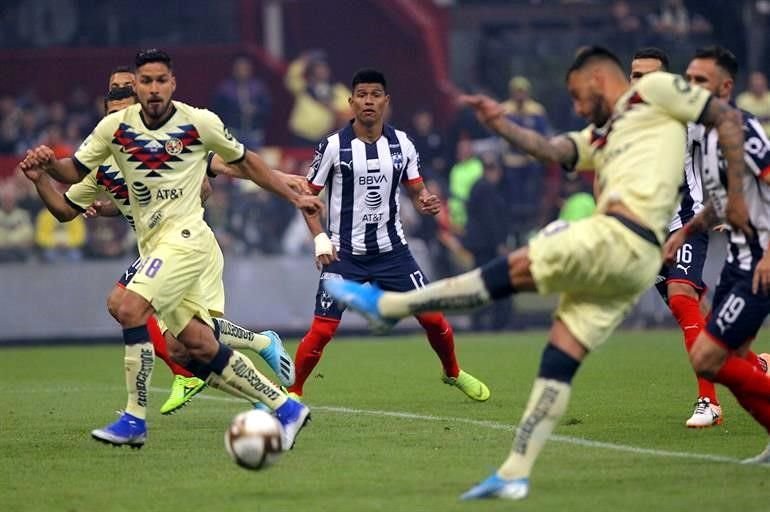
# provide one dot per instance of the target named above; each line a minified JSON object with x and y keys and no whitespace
{"x":496,"y":425}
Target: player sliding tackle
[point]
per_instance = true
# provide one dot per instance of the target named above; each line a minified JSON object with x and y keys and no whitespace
{"x":600,"y":265}
{"x":161,"y":146}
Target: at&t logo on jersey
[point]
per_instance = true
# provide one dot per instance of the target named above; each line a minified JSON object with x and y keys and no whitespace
{"x":169,"y":193}
{"x":373,"y":199}
{"x":142,"y":193}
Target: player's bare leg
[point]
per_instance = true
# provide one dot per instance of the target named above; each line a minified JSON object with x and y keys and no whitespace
{"x":133,"y":313}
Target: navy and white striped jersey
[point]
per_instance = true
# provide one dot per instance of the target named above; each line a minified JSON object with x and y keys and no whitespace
{"x":741,"y":253}
{"x":692,"y":186}
{"x":362,"y":185}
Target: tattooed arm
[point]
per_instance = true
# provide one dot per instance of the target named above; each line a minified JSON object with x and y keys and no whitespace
{"x":729,"y":125}
{"x":559,"y":149}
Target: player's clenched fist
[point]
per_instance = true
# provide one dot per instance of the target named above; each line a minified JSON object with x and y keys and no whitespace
{"x":37,"y":157}
{"x":429,"y":204}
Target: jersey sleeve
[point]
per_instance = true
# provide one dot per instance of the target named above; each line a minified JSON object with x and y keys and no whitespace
{"x":672,"y":94}
{"x":82,"y":194}
{"x":756,"y":147}
{"x":584,"y":160}
{"x":412,"y":157}
{"x":323,"y":163}
{"x":217,"y":138}
{"x":95,"y":149}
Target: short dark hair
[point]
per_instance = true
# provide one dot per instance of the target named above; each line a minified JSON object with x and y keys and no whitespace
{"x":650,"y":52}
{"x":149,"y":55}
{"x":724,"y":58}
{"x":369,"y":76}
{"x":121,"y":69}
{"x":590,"y":54}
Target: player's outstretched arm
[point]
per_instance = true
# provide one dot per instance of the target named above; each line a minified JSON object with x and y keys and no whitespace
{"x":729,"y":125}
{"x":297,"y":183}
{"x":42,"y":157}
{"x":52,"y":199}
{"x":559,"y":149}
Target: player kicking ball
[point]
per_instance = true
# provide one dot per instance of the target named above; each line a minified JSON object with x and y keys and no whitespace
{"x":601,"y":265}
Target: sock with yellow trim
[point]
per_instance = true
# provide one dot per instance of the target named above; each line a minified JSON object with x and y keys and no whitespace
{"x":547,"y":404}
{"x":138,"y":361}
{"x":238,"y":371}
{"x":235,"y":336}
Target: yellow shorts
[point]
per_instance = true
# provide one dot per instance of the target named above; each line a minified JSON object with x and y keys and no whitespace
{"x":182,"y":283}
{"x":599,"y":266}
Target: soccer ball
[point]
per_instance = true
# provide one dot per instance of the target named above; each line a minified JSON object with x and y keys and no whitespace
{"x":254,"y":439}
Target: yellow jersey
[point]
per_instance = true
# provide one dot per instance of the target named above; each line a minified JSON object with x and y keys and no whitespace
{"x":105,"y":178}
{"x":639,"y":153}
{"x":163,"y":169}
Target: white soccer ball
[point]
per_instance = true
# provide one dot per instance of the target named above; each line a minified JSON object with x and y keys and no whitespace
{"x":254,"y":439}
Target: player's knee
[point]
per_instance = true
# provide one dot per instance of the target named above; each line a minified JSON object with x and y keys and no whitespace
{"x":176,"y":350}
{"x":682,"y":289}
{"x":198,"y":340}
{"x":129,"y":315}
{"x":706,"y":357}
{"x":113,"y":303}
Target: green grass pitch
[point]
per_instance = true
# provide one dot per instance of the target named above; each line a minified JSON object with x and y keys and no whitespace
{"x":386,"y":435}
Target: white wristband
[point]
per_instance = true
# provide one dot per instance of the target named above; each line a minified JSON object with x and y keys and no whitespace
{"x":323,"y":246}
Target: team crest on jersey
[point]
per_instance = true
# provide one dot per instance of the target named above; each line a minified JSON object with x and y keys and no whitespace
{"x":174,"y":146}
{"x":398,"y":161}
{"x":325,"y":301}
{"x":228,"y":134}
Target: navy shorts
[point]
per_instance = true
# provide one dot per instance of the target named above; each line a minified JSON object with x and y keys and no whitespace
{"x":688,"y":267}
{"x":737,"y":314}
{"x":130,"y":272}
{"x":394,"y":271}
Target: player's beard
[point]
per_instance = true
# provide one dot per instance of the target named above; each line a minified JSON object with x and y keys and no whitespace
{"x":156,"y":110}
{"x":600,"y":113}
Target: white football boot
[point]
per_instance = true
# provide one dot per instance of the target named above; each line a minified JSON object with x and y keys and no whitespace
{"x":705,"y":415}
